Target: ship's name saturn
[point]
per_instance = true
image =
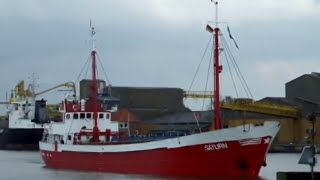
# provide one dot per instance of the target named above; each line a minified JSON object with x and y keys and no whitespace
{"x":213,"y":147}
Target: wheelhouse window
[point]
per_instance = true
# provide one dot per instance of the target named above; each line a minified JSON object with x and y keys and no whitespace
{"x":108,"y":116}
{"x":67,"y":116}
{"x":123,"y":125}
{"x":75,"y":116}
{"x":89,"y":115}
{"x":82,"y":115}
{"x":101,"y":116}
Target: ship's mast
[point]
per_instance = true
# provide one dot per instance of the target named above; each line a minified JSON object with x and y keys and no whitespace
{"x":94,"y":87}
{"x":217,"y":70}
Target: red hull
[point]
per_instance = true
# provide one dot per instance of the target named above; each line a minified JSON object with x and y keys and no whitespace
{"x":196,"y":160}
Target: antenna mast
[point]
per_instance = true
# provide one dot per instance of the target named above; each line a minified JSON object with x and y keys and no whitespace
{"x":217,"y":70}
{"x":216,"y":4}
{"x":94,"y":87}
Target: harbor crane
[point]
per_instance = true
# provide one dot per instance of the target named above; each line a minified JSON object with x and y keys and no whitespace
{"x":20,"y":92}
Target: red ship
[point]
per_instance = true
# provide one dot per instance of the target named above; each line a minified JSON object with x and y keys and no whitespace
{"x":87,"y":139}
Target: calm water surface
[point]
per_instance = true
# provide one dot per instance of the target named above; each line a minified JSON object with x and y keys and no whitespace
{"x":28,"y":165}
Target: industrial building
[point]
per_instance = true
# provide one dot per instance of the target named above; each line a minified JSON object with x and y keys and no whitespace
{"x":159,"y":110}
{"x":301,"y":99}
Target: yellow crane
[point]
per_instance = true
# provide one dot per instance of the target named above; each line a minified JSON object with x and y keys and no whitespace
{"x":249,"y":105}
{"x":262,"y":107}
{"x":67,"y":84}
{"x":198,"y":94}
{"x":20,"y":92}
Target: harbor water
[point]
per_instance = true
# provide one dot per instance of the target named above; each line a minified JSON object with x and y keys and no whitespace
{"x":28,"y":165}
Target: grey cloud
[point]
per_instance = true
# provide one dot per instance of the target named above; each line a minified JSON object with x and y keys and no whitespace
{"x":139,"y":49}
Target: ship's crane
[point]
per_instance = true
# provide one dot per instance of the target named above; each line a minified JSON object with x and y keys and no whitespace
{"x":67,"y":84}
{"x":20,"y":92}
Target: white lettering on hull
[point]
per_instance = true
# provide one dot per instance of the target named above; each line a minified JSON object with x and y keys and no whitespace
{"x":214,"y":147}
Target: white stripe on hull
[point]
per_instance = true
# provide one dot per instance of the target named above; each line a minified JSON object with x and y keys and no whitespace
{"x":228,"y":134}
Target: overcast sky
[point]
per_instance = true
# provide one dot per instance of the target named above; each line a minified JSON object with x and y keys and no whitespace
{"x":157,"y":43}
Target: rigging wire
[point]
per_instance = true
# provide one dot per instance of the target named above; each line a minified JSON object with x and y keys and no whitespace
{"x":97,"y":75}
{"x":193,"y":79}
{"x":208,"y":73}
{"x":85,"y":75}
{"x":204,"y":53}
{"x":87,"y":62}
{"x":104,"y":72}
{"x":237,"y":69}
{"x":230,"y":72}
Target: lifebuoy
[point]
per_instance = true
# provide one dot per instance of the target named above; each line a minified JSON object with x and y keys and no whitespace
{"x":75,"y":108}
